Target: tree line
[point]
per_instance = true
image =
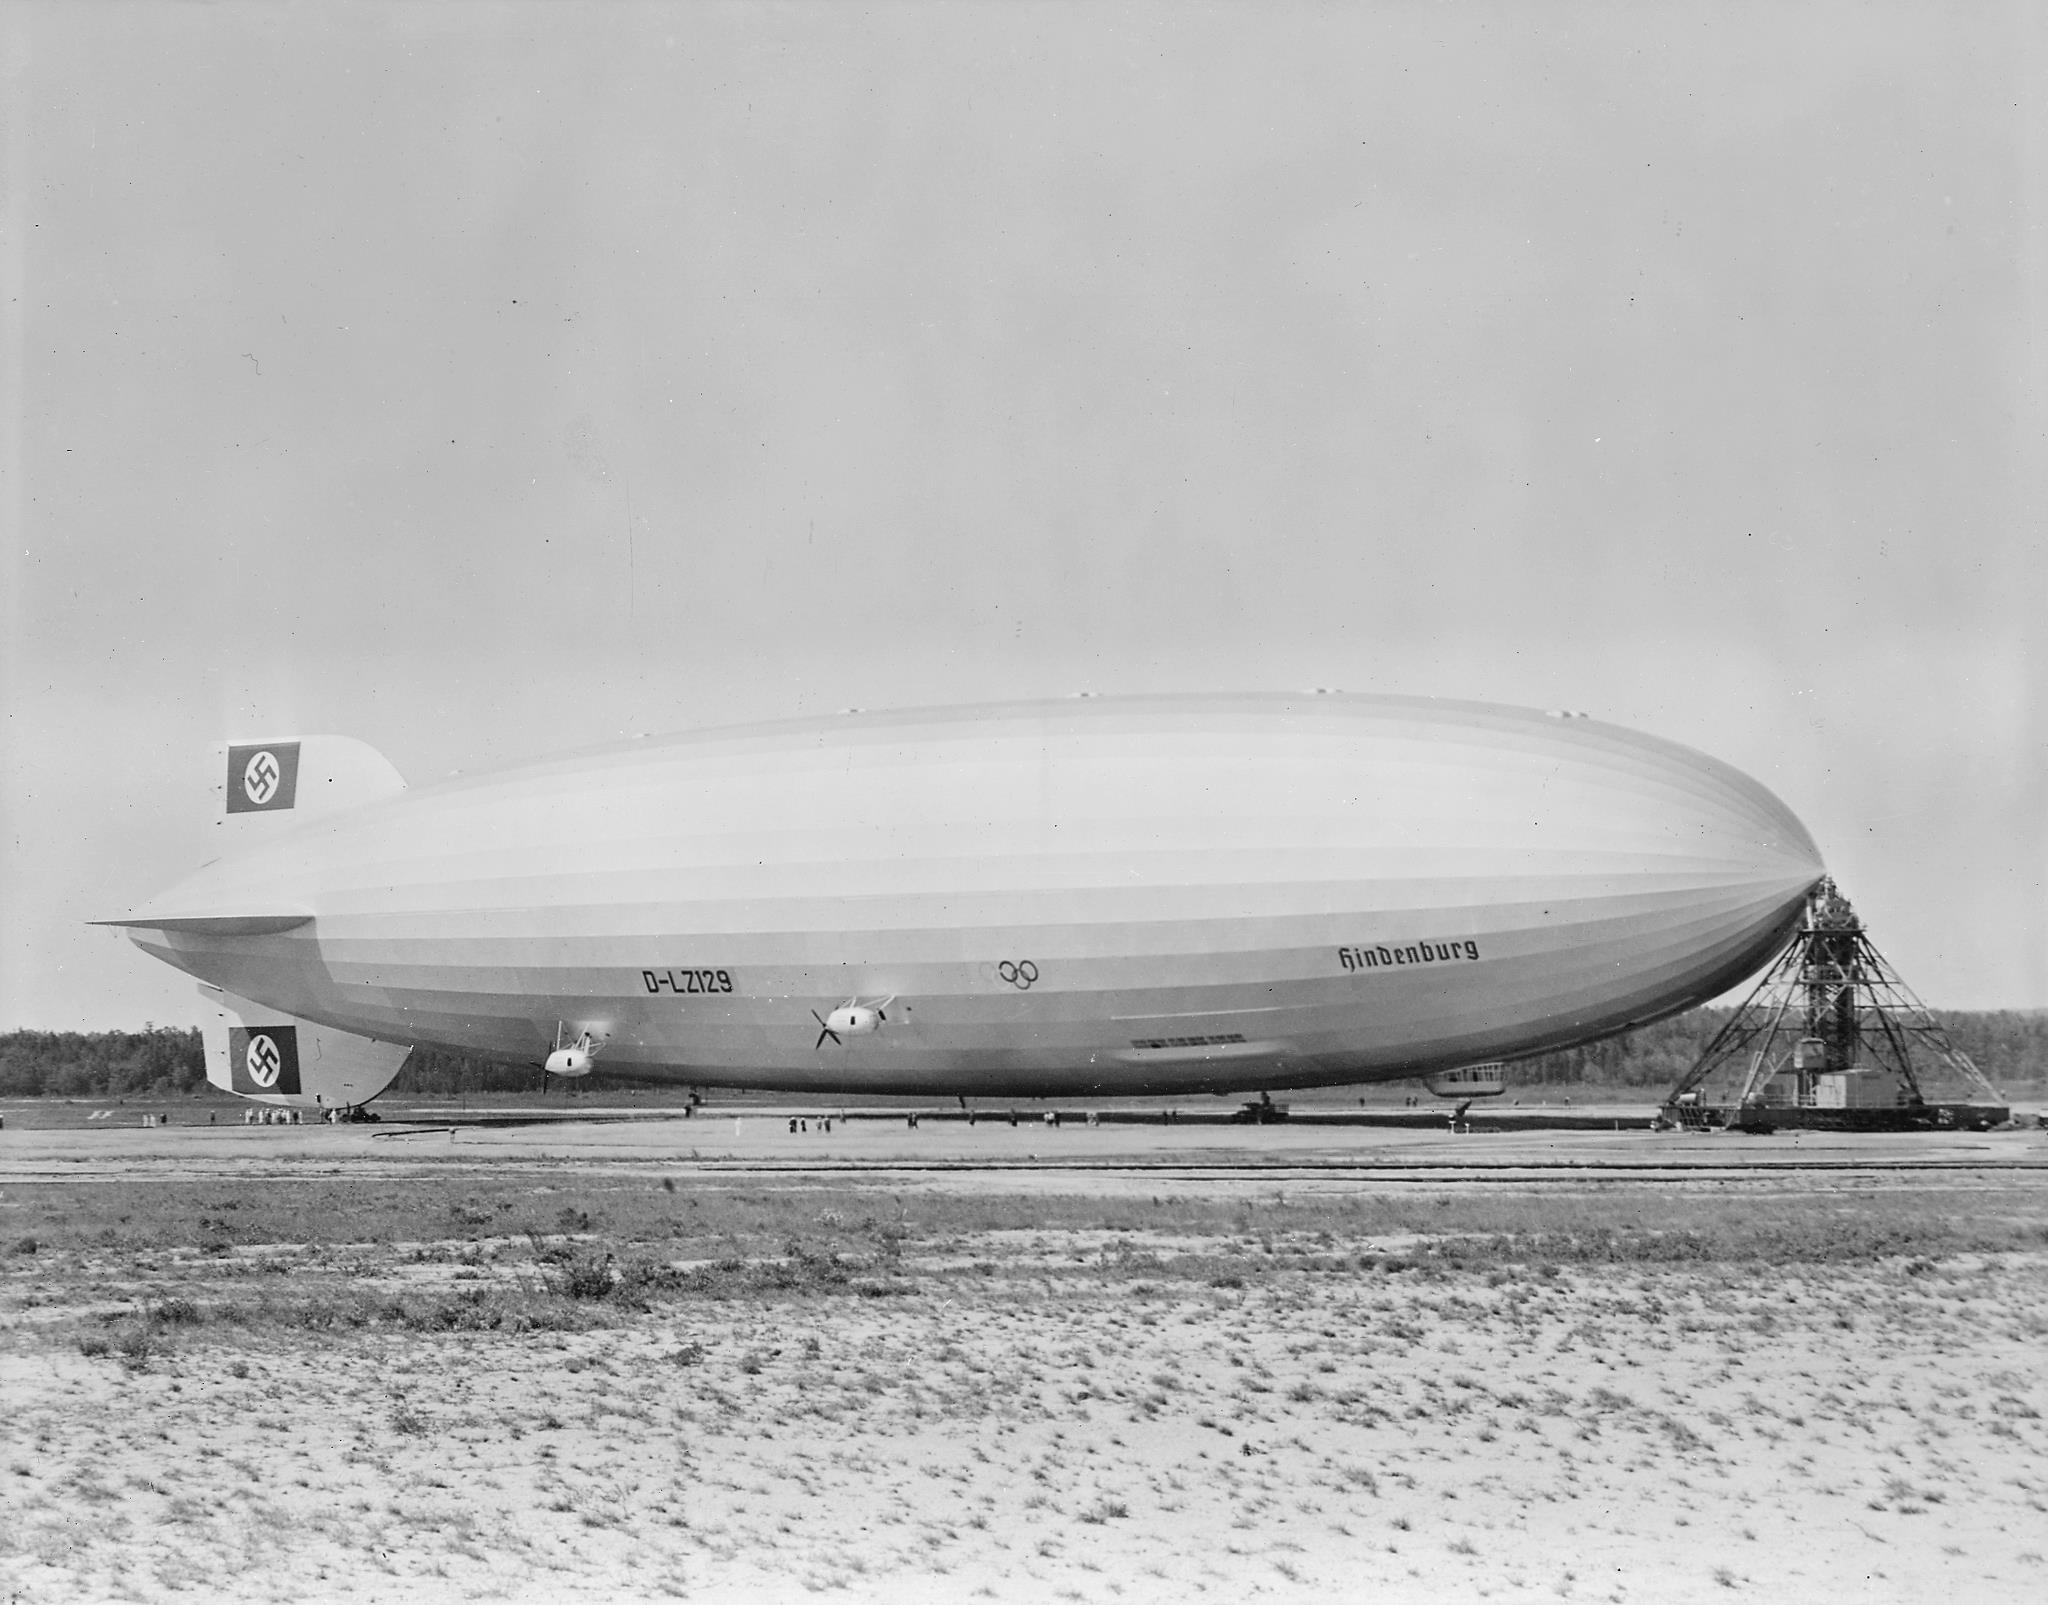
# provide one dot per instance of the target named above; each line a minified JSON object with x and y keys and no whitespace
{"x":2009,"y":1046}
{"x":162,"y":1061}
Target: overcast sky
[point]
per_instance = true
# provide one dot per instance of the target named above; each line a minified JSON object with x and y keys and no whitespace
{"x":487,"y":380}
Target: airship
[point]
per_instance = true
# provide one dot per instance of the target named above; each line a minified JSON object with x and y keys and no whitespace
{"x":1090,"y":897}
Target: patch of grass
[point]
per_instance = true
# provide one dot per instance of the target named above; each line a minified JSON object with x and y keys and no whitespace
{"x":1360,"y":1477}
{"x":798,"y":1270}
{"x":137,"y":1338}
{"x":704,"y":1217}
{"x":136,"y":1343}
{"x":589,"y":1276}
{"x":633,"y":1247}
{"x":176,"y":1311}
{"x":472,"y":1212}
{"x":471,"y":1309}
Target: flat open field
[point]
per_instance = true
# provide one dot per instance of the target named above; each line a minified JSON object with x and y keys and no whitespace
{"x":673,"y":1359}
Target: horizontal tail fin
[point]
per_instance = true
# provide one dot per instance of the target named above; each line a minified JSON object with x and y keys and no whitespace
{"x":215,"y":924}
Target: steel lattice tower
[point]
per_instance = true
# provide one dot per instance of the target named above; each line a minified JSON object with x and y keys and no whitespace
{"x":1830,"y":1007}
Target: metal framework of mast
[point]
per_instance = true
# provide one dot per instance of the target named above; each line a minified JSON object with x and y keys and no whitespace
{"x":1829,"y":1007}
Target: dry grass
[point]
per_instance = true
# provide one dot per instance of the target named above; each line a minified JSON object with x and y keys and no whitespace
{"x":539,"y":1385}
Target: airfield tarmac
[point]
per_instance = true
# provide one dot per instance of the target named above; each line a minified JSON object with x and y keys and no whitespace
{"x":1607,"y":1141}
{"x":1125,"y":1362}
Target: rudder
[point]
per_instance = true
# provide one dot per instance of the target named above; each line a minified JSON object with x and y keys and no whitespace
{"x":271,"y":1057}
{"x":301,"y":777}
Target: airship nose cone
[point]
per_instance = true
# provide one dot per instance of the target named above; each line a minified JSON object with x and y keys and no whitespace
{"x":1712,"y":869}
{"x":1715,"y":814}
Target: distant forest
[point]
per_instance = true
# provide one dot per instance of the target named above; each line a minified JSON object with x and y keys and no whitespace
{"x":2008,"y":1047}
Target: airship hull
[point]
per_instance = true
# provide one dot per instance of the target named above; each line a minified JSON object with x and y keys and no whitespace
{"x":1100,"y":896}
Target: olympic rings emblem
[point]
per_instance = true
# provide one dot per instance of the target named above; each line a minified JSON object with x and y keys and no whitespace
{"x":260,"y":777}
{"x":1019,"y":975}
{"x":263,"y":1061}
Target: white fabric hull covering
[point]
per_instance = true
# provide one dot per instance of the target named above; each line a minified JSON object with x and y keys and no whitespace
{"x":1096,"y":896}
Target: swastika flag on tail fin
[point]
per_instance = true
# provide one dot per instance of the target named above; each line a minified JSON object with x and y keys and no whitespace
{"x":264,"y":1058}
{"x":263,"y":777}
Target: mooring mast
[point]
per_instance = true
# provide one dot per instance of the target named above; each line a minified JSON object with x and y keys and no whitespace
{"x":1832,"y":1037}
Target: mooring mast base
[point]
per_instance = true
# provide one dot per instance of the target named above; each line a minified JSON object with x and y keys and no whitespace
{"x":1833,"y":1039}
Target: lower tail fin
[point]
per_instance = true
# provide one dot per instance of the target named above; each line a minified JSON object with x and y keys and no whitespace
{"x":260,"y":1053}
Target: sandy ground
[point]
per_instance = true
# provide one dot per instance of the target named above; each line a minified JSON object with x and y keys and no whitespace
{"x":1038,"y":1415}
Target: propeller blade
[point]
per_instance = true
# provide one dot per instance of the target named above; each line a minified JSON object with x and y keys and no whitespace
{"x":824,"y":1031}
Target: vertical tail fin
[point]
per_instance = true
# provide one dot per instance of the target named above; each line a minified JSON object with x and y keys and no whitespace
{"x":302,"y":776}
{"x":260,"y":1053}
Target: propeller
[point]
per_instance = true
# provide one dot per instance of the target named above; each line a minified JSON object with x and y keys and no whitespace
{"x":852,"y":1018}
